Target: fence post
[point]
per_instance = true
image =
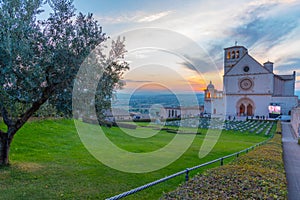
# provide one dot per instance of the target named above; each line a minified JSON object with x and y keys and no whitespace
{"x":237,"y":155}
{"x":187,"y":174}
{"x":222,"y":161}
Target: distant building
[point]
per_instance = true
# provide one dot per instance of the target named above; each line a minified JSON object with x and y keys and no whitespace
{"x":181,"y":112}
{"x":117,"y":114}
{"x":249,"y":88}
{"x":213,"y":101}
{"x":170,"y":112}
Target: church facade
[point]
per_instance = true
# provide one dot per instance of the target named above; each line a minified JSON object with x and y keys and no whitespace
{"x":250,"y":88}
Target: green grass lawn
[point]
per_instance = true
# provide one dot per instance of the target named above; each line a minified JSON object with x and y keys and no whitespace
{"x":48,"y":161}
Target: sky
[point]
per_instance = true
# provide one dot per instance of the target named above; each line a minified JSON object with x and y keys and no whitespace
{"x":188,"y":51}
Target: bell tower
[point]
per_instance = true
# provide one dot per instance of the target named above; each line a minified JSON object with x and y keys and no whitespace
{"x":232,"y":55}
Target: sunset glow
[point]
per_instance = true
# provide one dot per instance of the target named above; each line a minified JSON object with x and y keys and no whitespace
{"x":197,"y":83}
{"x":269,"y":29}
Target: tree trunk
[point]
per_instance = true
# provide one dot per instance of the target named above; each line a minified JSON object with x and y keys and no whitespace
{"x":4,"y":150}
{"x":7,"y":137}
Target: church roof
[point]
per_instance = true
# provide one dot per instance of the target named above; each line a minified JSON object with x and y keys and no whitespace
{"x":268,"y":62}
{"x":251,"y":58}
{"x":286,"y":77}
{"x":235,"y":47}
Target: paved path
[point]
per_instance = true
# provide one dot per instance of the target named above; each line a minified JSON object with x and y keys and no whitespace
{"x":291,"y":158}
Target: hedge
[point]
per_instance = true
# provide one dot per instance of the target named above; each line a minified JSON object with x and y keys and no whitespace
{"x":278,"y":128}
{"x":124,"y":125}
{"x":257,"y":175}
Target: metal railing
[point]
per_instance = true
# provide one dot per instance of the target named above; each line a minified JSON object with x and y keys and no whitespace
{"x":186,"y":172}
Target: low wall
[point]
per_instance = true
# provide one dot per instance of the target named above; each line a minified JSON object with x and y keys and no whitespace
{"x":295,"y":120}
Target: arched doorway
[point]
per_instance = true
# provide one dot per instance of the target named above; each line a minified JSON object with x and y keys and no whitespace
{"x":249,"y":110}
{"x":242,"y":109}
{"x":245,"y":106}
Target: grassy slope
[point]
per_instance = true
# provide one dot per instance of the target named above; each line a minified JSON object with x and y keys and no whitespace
{"x":49,"y":162}
{"x":257,"y":175}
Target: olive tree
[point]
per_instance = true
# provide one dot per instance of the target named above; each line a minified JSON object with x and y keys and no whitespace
{"x":39,"y":60}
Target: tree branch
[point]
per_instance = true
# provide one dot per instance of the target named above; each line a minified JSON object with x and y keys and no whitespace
{"x":35,"y":106}
{"x":5,"y":116}
{"x":48,"y":91}
{"x":2,"y":133}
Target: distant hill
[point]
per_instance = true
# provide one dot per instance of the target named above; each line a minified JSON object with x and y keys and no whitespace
{"x":146,"y":99}
{"x":138,"y":100}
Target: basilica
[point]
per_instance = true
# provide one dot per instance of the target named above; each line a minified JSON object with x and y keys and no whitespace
{"x":250,"y":88}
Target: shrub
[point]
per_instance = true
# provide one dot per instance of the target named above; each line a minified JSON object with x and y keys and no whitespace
{"x":141,"y":120}
{"x":278,"y":128}
{"x":172,"y":119}
{"x":46,"y":110}
{"x":124,"y":125}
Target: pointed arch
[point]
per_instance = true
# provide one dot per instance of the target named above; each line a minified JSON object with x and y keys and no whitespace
{"x":228,"y":55}
{"x":245,"y":106}
{"x":242,"y":109}
{"x":249,"y":110}
{"x":233,"y":54}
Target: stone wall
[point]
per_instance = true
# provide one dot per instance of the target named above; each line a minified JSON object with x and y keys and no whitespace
{"x":295,"y":120}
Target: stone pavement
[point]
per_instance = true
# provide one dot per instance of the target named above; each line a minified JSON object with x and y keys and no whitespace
{"x":291,"y":158}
